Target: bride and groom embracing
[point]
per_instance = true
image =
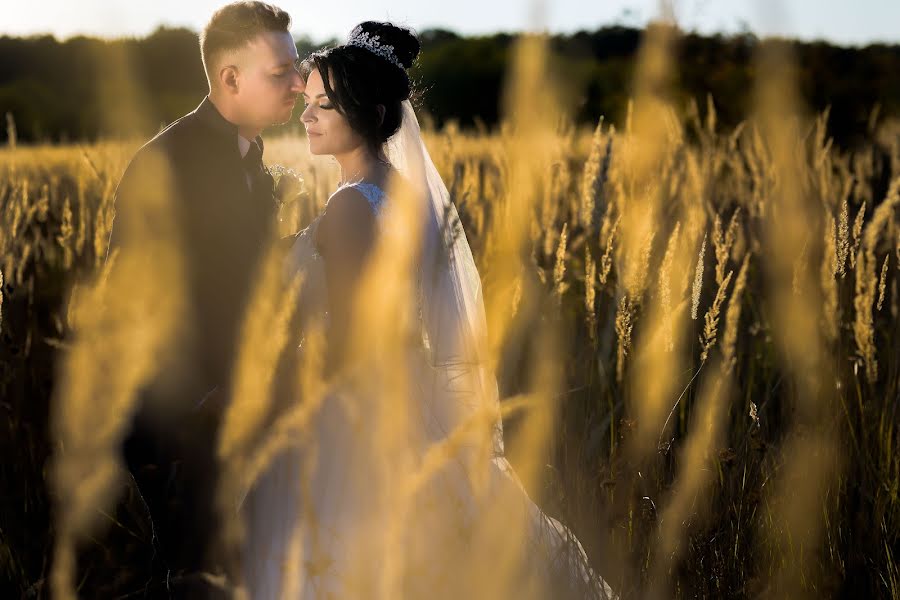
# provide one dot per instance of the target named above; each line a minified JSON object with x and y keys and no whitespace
{"x":379,"y":495}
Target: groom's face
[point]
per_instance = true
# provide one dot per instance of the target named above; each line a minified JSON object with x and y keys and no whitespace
{"x":269,"y":82}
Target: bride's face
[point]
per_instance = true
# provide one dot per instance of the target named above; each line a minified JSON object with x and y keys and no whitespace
{"x":328,"y":130}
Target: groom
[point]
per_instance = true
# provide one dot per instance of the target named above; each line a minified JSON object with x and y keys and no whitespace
{"x":223,"y":202}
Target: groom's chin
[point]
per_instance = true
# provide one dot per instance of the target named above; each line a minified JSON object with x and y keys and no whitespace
{"x":285,"y":117}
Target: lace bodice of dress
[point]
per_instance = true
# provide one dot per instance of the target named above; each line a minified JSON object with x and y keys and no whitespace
{"x":372,"y":193}
{"x":304,"y":252}
{"x":304,"y":258}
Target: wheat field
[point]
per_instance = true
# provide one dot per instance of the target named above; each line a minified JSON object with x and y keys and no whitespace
{"x":694,"y":329}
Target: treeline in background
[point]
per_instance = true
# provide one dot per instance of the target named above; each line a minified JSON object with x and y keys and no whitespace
{"x":58,"y":90}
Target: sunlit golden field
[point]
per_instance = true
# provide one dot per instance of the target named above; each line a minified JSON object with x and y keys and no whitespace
{"x":694,"y":329}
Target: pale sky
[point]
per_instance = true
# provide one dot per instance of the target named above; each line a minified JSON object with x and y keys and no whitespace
{"x":840,"y":21}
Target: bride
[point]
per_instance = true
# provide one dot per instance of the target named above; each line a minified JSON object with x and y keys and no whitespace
{"x":399,"y":486}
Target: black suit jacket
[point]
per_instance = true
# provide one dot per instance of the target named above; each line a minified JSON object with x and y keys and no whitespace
{"x":195,"y":166}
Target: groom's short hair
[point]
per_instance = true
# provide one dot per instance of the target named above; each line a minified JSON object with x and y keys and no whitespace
{"x":235,"y":25}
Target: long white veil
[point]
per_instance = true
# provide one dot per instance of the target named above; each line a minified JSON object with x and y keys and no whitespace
{"x":453,"y":314}
{"x":463,"y":384}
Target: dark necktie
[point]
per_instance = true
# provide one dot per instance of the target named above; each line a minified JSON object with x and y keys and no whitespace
{"x":253,"y":164}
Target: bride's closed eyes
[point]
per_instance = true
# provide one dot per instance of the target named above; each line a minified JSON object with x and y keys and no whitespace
{"x":324,"y":105}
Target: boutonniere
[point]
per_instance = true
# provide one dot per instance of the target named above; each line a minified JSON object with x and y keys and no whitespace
{"x":288,"y":184}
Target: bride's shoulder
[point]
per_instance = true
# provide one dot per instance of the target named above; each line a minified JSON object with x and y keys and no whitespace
{"x":347,"y":213}
{"x":347,"y":203}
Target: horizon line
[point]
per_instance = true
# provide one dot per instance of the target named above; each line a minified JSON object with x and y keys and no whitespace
{"x":298,"y":36}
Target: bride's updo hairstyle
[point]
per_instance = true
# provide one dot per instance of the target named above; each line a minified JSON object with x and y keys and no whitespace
{"x":362,"y":80}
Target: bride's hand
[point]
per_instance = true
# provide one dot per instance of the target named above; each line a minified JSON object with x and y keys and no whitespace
{"x":289,"y":189}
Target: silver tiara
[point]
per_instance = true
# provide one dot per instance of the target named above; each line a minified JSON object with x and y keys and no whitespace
{"x":362,"y":39}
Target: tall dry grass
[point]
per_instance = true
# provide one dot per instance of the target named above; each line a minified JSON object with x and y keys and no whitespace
{"x":694,"y":332}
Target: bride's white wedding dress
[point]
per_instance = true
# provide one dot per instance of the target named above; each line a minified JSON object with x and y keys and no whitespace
{"x":337,"y":523}
{"x":335,"y":516}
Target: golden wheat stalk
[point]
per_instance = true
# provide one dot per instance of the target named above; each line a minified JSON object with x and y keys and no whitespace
{"x":882,"y":216}
{"x":624,"y":325}
{"x":800,"y":269}
{"x":559,"y":269}
{"x":863,"y":328}
{"x":606,"y":259}
{"x":81,"y":237}
{"x":828,"y":274}
{"x":698,"y":281}
{"x":711,"y":319}
{"x":882,"y":281}
{"x":723,"y":242}
{"x":641,"y":274}
{"x":857,"y":235}
{"x":590,"y":292}
{"x":27,"y":251}
{"x":843,"y":237}
{"x":19,"y":208}
{"x":731,"y":233}
{"x":65,"y":233}
{"x":733,"y":317}
{"x":590,"y":178}
{"x":866,"y":280}
{"x":665,"y":285}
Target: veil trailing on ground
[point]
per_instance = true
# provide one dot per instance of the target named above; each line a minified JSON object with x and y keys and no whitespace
{"x":452,"y":306}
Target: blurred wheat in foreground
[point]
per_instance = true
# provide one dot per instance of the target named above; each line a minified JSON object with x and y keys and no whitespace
{"x":695,"y":333}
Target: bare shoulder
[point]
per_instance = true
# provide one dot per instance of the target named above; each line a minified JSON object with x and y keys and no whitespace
{"x":347,"y":203}
{"x":347,"y":213}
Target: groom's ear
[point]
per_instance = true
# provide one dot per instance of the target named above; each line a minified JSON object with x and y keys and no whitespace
{"x":228,"y":78}
{"x":381,"y":110}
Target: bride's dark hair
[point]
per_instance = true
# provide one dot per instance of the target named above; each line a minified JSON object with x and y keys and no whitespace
{"x":358,"y":81}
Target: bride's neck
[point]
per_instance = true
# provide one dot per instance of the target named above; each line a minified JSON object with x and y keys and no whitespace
{"x":359,"y":164}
